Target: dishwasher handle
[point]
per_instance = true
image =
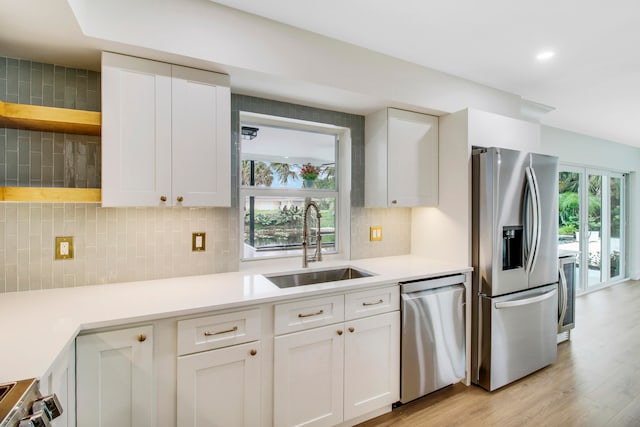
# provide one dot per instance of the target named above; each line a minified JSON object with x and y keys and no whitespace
{"x":438,"y":282}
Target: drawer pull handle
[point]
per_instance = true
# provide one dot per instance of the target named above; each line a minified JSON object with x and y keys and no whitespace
{"x":317,"y":313}
{"x":208,"y":334}
{"x":372,"y":303}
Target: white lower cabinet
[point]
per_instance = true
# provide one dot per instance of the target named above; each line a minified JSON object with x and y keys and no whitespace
{"x":371,"y":364}
{"x":219,"y":370}
{"x":321,"y":361}
{"x":307,"y":377}
{"x":115,"y":378}
{"x":220,"y":387}
{"x":60,"y":380}
{"x":328,"y":375}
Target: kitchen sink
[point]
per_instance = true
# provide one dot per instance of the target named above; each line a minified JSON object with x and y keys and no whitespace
{"x":313,"y":277}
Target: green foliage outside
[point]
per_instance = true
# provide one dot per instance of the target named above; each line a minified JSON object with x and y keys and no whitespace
{"x":569,"y":204}
{"x":569,"y":212}
{"x":285,"y":224}
{"x":264,"y":174}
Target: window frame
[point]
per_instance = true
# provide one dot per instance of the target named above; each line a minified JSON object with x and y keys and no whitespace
{"x":341,"y":192}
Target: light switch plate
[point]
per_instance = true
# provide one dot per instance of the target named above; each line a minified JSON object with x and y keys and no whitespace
{"x":375,"y":233}
{"x":64,"y":247}
{"x":198,"y":242}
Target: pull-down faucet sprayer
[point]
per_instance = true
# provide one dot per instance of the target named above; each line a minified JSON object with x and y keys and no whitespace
{"x":317,"y":256}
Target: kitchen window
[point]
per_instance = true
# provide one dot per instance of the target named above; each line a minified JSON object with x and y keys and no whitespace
{"x":284,"y":164}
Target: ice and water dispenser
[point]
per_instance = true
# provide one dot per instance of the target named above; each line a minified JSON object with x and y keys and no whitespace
{"x":512,"y":251}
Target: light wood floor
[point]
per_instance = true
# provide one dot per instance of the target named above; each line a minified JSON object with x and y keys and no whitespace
{"x":594,"y":382}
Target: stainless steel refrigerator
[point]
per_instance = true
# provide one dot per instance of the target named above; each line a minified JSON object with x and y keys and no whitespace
{"x":515,"y":277}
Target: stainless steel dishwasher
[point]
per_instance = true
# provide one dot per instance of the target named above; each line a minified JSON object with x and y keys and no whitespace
{"x":433,"y":338}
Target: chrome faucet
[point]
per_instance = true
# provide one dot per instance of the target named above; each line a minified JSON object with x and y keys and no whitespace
{"x":305,"y":235}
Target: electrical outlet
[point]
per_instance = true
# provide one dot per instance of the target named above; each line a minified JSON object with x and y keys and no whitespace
{"x":198,"y":242}
{"x":375,"y":233}
{"x":64,"y":247}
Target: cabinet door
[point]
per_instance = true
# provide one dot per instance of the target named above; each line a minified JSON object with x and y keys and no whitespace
{"x":60,"y":380}
{"x":372,"y":364}
{"x":201,"y":136}
{"x":136,"y":131}
{"x":115,"y":378}
{"x":412,"y":159}
{"x":220,"y":387}
{"x":308,"y":377}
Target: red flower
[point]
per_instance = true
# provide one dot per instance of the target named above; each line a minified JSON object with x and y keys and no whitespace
{"x":309,"y":172}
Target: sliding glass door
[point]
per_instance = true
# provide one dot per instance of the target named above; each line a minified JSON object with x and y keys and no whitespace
{"x":570,"y":215}
{"x":591,"y":224}
{"x":616,"y":221}
{"x":594,"y":227}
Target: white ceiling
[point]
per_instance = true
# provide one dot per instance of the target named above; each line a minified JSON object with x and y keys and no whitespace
{"x":592,"y":83}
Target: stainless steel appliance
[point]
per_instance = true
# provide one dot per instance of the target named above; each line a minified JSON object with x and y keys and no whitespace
{"x":433,"y":335}
{"x":515,"y":277}
{"x":22,"y":405}
{"x":566,"y":296}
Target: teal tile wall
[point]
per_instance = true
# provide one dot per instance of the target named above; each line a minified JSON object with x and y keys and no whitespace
{"x":47,"y":159}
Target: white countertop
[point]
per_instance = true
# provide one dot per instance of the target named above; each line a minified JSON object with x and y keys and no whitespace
{"x":38,"y":325}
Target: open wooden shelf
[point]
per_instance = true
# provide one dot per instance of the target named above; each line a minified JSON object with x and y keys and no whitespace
{"x":50,"y":194}
{"x":49,"y":119}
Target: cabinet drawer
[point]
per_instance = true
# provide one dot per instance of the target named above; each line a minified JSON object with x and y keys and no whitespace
{"x":299,"y":315}
{"x":221,"y":330}
{"x":374,"y":301}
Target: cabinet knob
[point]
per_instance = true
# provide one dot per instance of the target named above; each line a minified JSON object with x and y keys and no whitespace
{"x":180,"y":199}
{"x":163,"y":198}
{"x":339,"y":331}
{"x":253,"y":352}
{"x":393,"y":202}
{"x":352,"y":329}
{"x":142,"y":337}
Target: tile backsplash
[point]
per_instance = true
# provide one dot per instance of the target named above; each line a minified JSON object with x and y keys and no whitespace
{"x":127,"y":244}
{"x":111,"y":244}
{"x":396,"y":232}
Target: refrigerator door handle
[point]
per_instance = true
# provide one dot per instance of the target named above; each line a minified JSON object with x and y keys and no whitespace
{"x":526,"y":301}
{"x":537,"y":217}
{"x":534,"y":198}
{"x":565,"y":296}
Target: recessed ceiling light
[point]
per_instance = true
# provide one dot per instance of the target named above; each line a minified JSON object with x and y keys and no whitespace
{"x":545,"y":56}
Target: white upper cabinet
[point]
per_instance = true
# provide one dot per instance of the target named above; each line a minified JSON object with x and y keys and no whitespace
{"x":165,"y":134}
{"x":201,"y":137}
{"x":401,"y":159}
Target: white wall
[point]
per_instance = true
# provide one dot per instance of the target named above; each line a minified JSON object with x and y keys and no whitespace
{"x":444,"y":232}
{"x":584,"y":150}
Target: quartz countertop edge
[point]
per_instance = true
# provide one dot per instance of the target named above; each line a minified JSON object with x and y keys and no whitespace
{"x":38,"y":326}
